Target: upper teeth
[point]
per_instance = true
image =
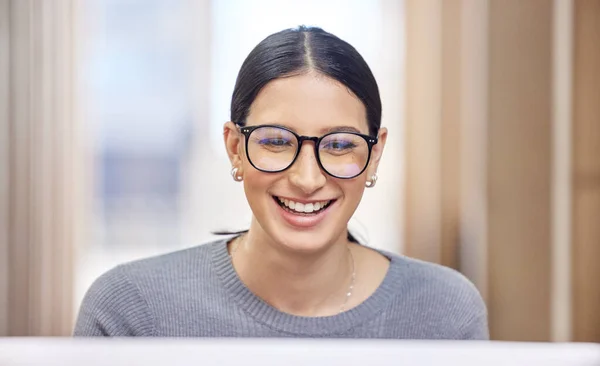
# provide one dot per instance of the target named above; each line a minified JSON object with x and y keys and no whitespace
{"x":303,"y":207}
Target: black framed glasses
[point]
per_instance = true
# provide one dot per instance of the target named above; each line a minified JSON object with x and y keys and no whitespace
{"x":273,"y":149}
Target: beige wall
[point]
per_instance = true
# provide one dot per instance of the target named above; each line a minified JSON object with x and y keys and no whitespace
{"x":423,"y":193}
{"x":586,"y":171}
{"x":4,"y":163}
{"x":519,"y":162}
{"x":40,"y":175}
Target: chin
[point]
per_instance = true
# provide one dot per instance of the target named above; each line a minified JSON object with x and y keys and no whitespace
{"x":305,"y":242}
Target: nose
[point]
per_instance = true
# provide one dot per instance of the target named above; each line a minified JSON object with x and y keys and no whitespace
{"x":306,"y":173}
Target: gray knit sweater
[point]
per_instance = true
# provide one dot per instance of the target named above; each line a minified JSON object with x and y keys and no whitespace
{"x":197,"y":293}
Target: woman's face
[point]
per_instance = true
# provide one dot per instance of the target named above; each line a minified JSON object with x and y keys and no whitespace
{"x":310,"y":105}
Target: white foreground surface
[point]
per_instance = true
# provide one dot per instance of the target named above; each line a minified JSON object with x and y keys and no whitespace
{"x":292,"y":352}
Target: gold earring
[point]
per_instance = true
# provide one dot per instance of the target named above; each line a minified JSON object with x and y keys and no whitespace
{"x":237,"y":178}
{"x":371,"y":183}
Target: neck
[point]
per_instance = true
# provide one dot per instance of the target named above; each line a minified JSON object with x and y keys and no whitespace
{"x":313,"y":284}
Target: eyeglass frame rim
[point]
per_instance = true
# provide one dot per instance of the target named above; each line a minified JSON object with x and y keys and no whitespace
{"x":247,"y":130}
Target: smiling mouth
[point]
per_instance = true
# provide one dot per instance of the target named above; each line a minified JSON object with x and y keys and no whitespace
{"x":305,"y":209}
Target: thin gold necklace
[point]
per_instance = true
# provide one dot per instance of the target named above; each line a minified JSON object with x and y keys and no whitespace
{"x":352,"y":281}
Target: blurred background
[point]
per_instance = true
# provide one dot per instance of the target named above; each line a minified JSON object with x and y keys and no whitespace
{"x":111,"y":115}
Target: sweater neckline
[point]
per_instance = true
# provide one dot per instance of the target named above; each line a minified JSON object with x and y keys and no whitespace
{"x":303,"y":325}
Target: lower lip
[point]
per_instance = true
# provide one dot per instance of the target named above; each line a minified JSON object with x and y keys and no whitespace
{"x":303,"y":221}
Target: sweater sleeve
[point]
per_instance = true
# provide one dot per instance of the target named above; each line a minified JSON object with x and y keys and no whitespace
{"x":114,"y":306}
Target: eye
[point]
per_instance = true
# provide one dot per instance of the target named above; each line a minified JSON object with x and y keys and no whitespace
{"x":274,"y":142}
{"x":339,"y":145}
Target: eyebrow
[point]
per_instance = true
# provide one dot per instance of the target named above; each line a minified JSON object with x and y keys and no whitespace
{"x":326,"y":130}
{"x":340,"y":129}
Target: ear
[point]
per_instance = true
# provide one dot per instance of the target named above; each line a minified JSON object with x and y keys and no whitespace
{"x":377,"y":152}
{"x":233,"y":144}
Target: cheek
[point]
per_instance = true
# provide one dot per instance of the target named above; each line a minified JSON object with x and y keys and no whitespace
{"x":353,"y":190}
{"x":256,"y":186}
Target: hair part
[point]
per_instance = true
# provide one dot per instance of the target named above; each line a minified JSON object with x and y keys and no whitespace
{"x":308,"y":57}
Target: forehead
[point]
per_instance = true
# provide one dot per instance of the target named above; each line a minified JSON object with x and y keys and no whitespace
{"x":310,"y":104}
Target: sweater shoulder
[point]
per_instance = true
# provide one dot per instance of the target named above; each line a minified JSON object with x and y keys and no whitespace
{"x":440,"y":295}
{"x":433,"y":277}
{"x":120,"y":301}
{"x":114,"y":306}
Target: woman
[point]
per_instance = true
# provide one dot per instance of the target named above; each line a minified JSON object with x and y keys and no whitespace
{"x":305,"y":140}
